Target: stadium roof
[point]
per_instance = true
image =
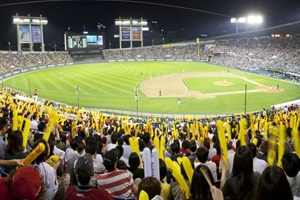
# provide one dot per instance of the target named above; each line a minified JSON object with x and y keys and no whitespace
{"x":290,"y":28}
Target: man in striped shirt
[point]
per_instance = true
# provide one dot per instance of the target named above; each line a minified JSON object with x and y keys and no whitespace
{"x":116,"y":182}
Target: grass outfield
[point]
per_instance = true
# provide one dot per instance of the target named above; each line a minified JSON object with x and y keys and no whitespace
{"x":110,"y":85}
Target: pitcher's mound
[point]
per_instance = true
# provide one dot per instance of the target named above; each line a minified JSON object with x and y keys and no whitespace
{"x":223,"y":83}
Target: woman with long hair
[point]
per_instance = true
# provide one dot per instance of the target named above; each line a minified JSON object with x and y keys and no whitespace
{"x":273,"y":185}
{"x":14,"y":149}
{"x":243,"y":181}
{"x":200,"y":189}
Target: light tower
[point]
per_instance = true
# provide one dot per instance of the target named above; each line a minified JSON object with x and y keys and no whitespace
{"x":30,"y":30}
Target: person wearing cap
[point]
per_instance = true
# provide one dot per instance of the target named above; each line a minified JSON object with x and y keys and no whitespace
{"x":25,"y":183}
{"x":86,"y":189}
{"x":119,"y":183}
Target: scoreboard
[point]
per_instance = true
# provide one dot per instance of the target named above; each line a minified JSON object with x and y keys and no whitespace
{"x":84,"y":43}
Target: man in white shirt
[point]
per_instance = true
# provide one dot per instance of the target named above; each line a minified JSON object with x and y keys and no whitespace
{"x":258,"y":164}
{"x":202,"y":155}
{"x":114,"y":139}
{"x":231,"y":154}
{"x":291,"y":167}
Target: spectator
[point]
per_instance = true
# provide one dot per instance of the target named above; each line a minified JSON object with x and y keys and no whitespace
{"x":200,"y":189}
{"x":258,"y":164}
{"x":151,"y":186}
{"x":123,"y":184}
{"x":134,"y":163}
{"x":202,"y":155}
{"x":86,"y":189}
{"x":273,"y":185}
{"x":14,"y":149}
{"x":3,"y":129}
{"x":291,"y":167}
{"x":47,"y":172}
{"x":243,"y":181}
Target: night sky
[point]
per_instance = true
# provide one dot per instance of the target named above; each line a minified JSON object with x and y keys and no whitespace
{"x":180,"y":20}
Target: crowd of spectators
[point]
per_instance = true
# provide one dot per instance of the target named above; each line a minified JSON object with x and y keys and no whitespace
{"x":11,"y":61}
{"x":273,"y":54}
{"x":89,"y":155}
{"x":155,"y":52}
{"x":276,"y":55}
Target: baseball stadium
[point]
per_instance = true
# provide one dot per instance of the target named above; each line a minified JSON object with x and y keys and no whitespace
{"x":210,"y":118}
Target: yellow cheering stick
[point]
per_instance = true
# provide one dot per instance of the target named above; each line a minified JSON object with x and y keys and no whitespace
{"x":223,"y":145}
{"x":162,"y":147}
{"x":282,"y":131}
{"x":48,"y":130}
{"x":187,"y":165}
{"x":271,"y":152}
{"x":133,"y":145}
{"x":40,"y":148}
{"x":243,"y":131}
{"x":15,"y":120}
{"x":26,"y":132}
{"x":228,"y":128}
{"x":156,"y":143}
{"x":143,"y":195}
{"x":295,"y":135}
{"x":178,"y":176}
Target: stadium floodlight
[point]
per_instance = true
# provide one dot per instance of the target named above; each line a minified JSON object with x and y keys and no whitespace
{"x":254,"y":19}
{"x":30,"y":30}
{"x":233,"y":20}
{"x":16,"y":20}
{"x":241,"y":20}
{"x":131,"y":30}
{"x":251,"y":20}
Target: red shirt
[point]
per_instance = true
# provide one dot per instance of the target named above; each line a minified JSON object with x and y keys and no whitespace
{"x":81,"y":193}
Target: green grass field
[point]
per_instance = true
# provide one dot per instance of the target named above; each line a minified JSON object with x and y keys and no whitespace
{"x":110,"y":85}
{"x":206,"y":85}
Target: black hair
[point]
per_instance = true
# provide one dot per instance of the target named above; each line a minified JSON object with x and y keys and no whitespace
{"x":273,"y":185}
{"x":175,"y":148}
{"x":252,"y":148}
{"x":41,"y":126}
{"x":134,"y":160}
{"x":185,"y":144}
{"x":43,"y":156}
{"x":291,"y":164}
{"x":200,"y":189}
{"x":193,"y":146}
{"x":202,"y":154}
{"x":114,"y":138}
{"x":92,"y":145}
{"x":162,"y":169}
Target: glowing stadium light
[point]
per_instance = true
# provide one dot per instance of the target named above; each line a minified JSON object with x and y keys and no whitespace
{"x":37,"y":21}
{"x":16,"y":20}
{"x":44,"y":21}
{"x":118,"y":23}
{"x":26,"y":20}
{"x":233,"y":20}
{"x":126,"y":22}
{"x":145,"y":29}
{"x":254,"y":19}
{"x":241,"y":20}
{"x":144,"y":23}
